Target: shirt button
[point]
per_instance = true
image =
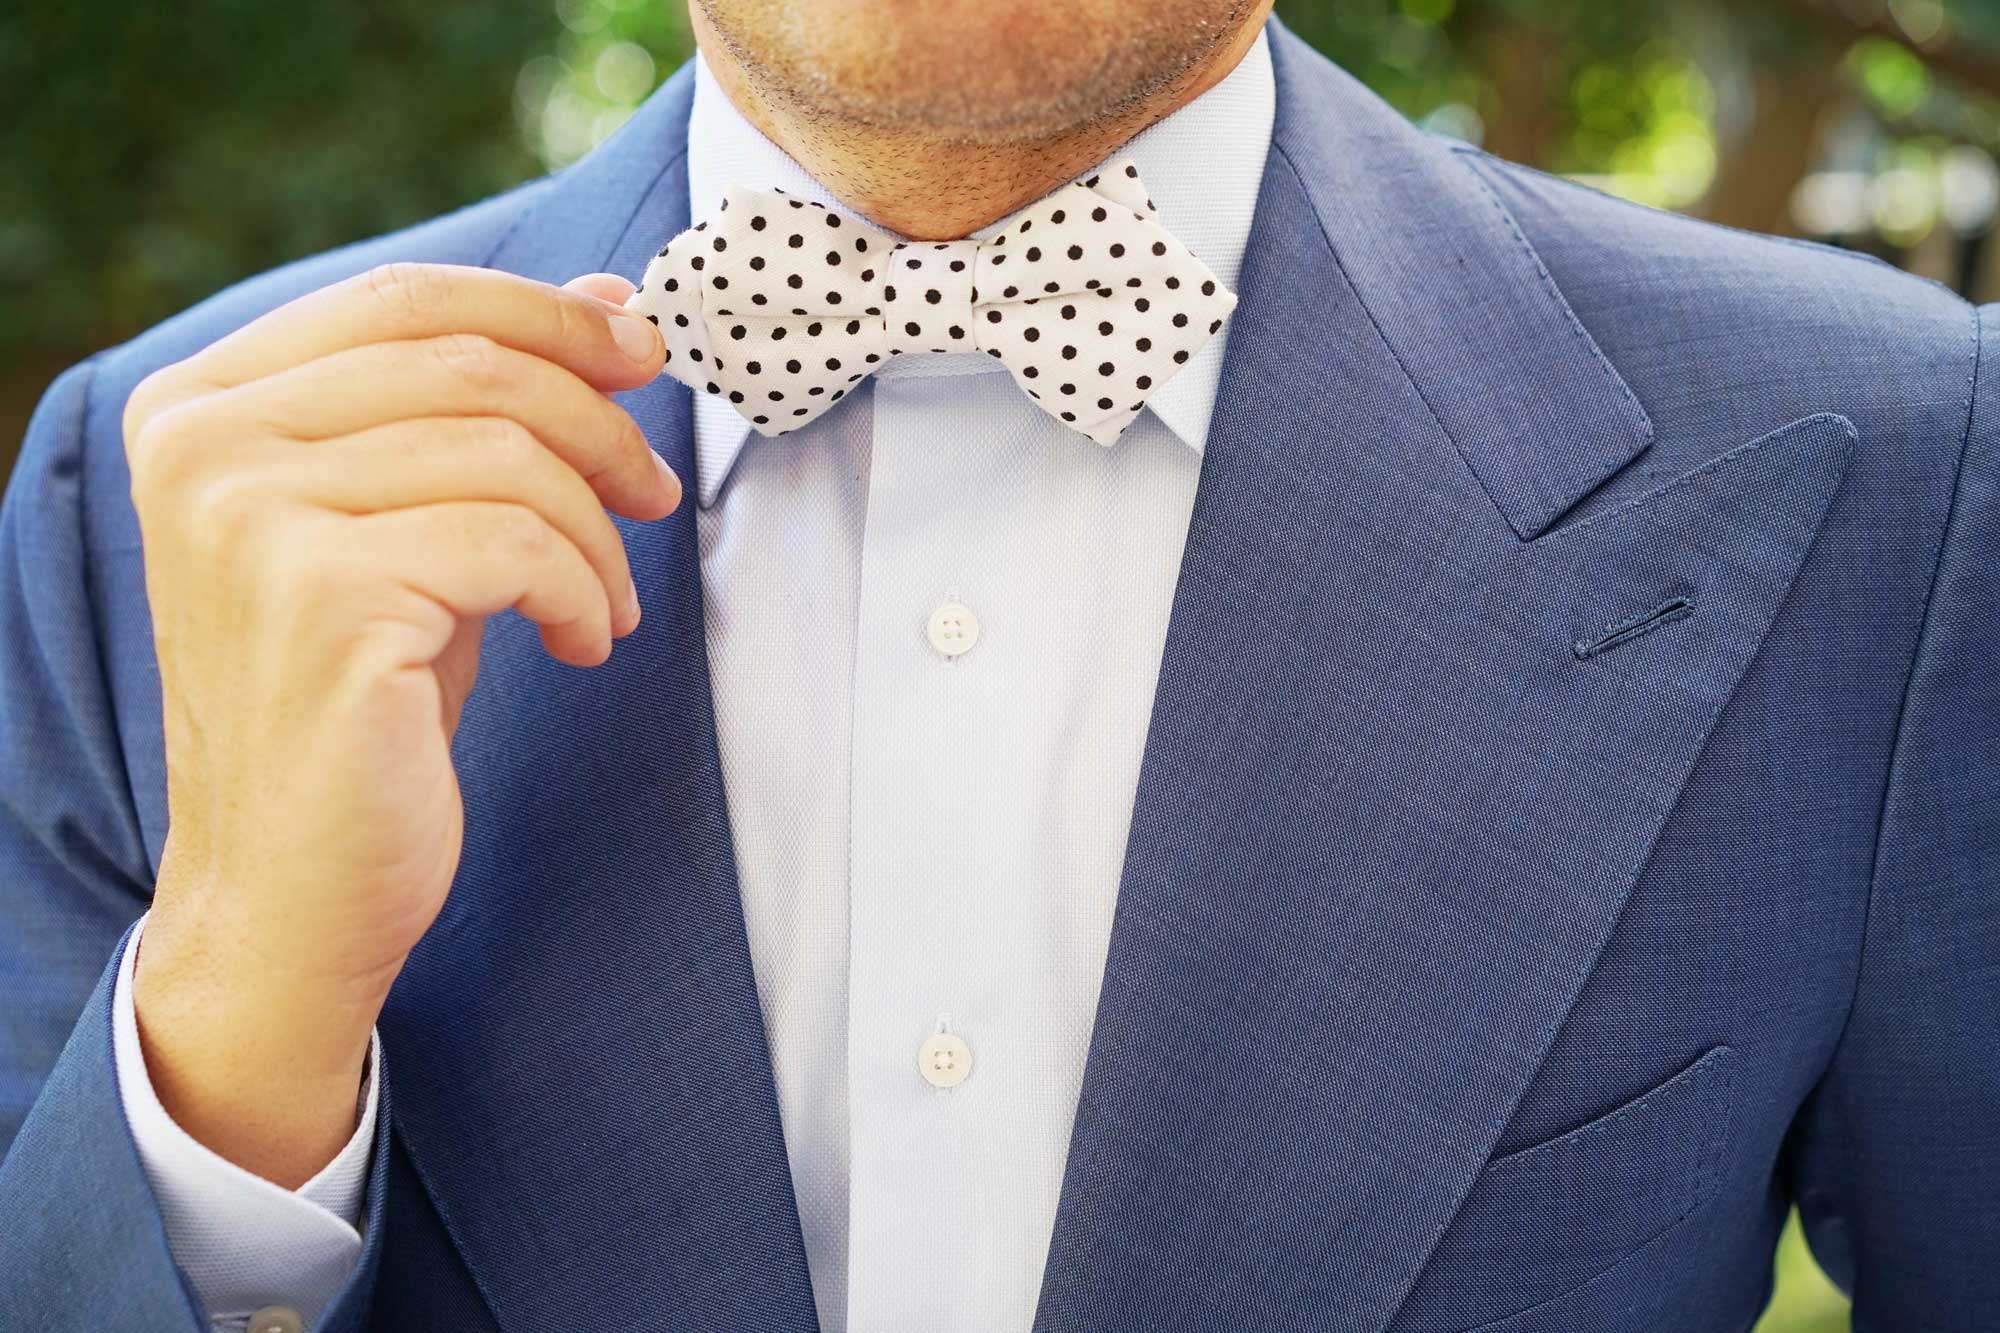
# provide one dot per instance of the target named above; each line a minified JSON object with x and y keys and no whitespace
{"x":953,"y":628}
{"x":275,"y":1319}
{"x":944,"y":1060}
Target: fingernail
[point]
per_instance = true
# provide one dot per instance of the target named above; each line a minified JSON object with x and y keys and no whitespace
{"x":637,"y":338}
{"x":673,"y":483}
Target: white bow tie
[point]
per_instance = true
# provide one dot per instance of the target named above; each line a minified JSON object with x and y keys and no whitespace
{"x":782,"y":304}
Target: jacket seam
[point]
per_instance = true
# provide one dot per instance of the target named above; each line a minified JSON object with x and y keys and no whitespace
{"x":632,"y":218}
{"x":1699,"y":1077}
{"x":1549,"y":541}
{"x":1896,"y":750}
{"x":1278,"y":148}
{"x":388,"y":1140}
{"x":547,"y":185}
{"x":532,"y":206}
{"x":88,"y":556}
{"x":1707,"y":1172}
{"x":1549,"y":513}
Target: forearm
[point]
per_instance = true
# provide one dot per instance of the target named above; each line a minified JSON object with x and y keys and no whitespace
{"x":242,"y":1241}
{"x":254,"y":1057}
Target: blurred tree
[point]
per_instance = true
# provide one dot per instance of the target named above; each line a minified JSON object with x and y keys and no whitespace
{"x":154,"y":153}
{"x":1718,"y":106}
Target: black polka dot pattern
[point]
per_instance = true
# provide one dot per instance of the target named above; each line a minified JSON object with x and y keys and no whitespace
{"x":1081,"y":293}
{"x":929,"y":306}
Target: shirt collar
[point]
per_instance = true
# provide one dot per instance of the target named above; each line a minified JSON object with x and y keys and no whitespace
{"x":1202,"y":165}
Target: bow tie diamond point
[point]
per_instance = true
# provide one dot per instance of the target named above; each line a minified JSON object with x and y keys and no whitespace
{"x":782,"y":304}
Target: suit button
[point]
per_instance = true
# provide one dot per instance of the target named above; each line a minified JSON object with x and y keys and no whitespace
{"x":275,"y":1319}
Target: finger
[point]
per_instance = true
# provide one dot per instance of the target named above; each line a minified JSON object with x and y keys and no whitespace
{"x":603,"y":286}
{"x":603,"y":345}
{"x":363,"y":387}
{"x":477,"y":557}
{"x":438,"y":460}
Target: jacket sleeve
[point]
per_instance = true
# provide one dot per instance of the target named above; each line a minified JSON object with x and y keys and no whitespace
{"x":1896,"y":1165}
{"x":83,"y":1244}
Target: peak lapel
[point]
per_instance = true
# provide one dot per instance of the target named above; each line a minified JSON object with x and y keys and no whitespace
{"x":1388,"y":815}
{"x":581,"y":1073}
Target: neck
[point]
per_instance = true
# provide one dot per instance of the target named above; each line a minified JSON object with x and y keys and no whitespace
{"x":935,"y":188}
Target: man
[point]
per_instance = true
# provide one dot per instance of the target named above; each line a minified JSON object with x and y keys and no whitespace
{"x":1452,"y":806}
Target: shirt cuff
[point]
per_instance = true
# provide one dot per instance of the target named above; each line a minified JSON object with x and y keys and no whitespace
{"x":242,"y":1241}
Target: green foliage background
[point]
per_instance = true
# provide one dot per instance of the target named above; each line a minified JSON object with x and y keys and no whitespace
{"x":151,"y":154}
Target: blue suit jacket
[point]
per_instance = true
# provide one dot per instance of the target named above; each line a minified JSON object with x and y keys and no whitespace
{"x":1568,"y":834}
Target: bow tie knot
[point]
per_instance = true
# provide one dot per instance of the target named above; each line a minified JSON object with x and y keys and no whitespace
{"x":782,"y":304}
{"x":929,"y":295}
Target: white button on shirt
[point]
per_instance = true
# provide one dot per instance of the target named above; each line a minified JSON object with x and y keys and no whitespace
{"x":954,"y":629}
{"x":934,"y":625}
{"x":944,"y":1060}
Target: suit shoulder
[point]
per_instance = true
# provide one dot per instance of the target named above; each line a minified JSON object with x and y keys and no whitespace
{"x":1597,"y":239}
{"x":1726,"y":334}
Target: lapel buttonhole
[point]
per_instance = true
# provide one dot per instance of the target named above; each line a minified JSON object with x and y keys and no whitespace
{"x":1624,"y":631}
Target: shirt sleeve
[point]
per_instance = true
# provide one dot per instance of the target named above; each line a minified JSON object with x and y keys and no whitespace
{"x":243,"y":1242}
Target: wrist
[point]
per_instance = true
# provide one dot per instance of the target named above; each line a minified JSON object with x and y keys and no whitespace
{"x":260,"y":1063}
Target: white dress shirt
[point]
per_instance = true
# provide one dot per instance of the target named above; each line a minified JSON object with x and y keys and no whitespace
{"x":934,"y":623}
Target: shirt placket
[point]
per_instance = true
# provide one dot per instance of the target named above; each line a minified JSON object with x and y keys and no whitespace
{"x":933,"y":876}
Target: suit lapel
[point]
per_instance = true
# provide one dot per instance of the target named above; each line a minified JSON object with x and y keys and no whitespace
{"x":1388,"y":815}
{"x":582,"y":1078}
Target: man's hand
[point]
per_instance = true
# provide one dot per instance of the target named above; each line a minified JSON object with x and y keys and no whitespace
{"x":332,"y":499}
